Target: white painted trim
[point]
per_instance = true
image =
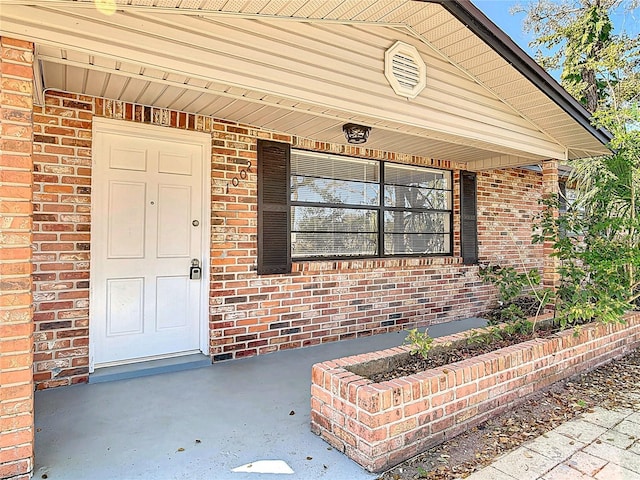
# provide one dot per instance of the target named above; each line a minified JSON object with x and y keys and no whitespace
{"x":38,"y":83}
{"x":437,"y":135}
{"x":206,"y":243}
{"x":148,"y":359}
{"x":469,"y":75}
{"x":123,"y":127}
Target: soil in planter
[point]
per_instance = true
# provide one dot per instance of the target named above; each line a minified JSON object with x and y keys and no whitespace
{"x":442,"y":357}
{"x":439,"y":357}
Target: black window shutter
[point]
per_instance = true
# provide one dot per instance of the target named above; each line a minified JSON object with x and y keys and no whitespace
{"x":274,"y":233}
{"x":468,"y":218}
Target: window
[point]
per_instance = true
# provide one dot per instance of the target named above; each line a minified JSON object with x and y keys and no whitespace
{"x":567,"y":207}
{"x":417,"y":210}
{"x":351,"y":207}
{"x":334,"y":206}
{"x":324,"y":206}
{"x":566,"y":197}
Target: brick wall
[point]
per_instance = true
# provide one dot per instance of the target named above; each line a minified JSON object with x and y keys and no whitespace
{"x":16,"y":328}
{"x":62,"y":217}
{"x":327,"y":301}
{"x":551,"y":278}
{"x":62,"y":200}
{"x":382,"y":424}
{"x":250,"y":314}
{"x":507,"y":206}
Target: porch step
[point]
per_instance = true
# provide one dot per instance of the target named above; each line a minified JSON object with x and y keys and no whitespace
{"x":151,"y":367}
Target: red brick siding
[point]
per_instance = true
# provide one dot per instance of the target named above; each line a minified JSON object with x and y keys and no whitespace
{"x":550,"y":186}
{"x":381,"y":424}
{"x":62,"y":220}
{"x":507,"y":206}
{"x":249,"y":314}
{"x":327,"y":301}
{"x":16,"y":327}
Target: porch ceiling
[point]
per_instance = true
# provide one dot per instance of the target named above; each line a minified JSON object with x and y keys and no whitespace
{"x":305,"y":67}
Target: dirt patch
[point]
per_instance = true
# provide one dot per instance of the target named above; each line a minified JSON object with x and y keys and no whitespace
{"x":612,"y":386}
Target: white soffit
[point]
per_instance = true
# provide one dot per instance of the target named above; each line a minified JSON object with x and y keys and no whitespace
{"x":476,"y":107}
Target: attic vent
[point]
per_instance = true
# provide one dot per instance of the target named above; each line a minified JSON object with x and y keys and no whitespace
{"x":405,"y":70}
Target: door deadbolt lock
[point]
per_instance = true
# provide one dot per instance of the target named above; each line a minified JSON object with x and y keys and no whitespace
{"x":195,"y":272}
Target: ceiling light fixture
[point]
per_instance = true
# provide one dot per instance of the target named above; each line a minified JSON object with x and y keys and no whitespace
{"x":356,"y":134}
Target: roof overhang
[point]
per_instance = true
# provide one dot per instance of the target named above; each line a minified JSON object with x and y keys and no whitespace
{"x":492,"y":35}
{"x":306,"y":67}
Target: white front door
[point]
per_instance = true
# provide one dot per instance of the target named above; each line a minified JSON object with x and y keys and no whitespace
{"x":148,"y":217}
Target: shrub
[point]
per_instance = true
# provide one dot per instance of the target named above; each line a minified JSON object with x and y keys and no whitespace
{"x":421,"y":343}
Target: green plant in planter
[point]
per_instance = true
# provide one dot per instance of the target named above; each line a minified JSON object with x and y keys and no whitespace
{"x":508,"y":280}
{"x":512,"y":286}
{"x":594,"y":260}
{"x":511,"y":313}
{"x":492,"y":334}
{"x":523,"y":327}
{"x":421,"y":343}
{"x":484,"y":336}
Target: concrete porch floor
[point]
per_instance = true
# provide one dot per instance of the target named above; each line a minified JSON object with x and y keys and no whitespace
{"x":201,"y":423}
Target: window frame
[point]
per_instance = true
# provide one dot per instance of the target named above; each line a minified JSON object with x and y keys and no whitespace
{"x":380,"y":210}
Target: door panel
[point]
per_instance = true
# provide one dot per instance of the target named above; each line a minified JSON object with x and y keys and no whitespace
{"x":125,"y":306}
{"x":175,"y":164}
{"x":147,"y":193}
{"x":127,"y":159}
{"x":126,"y":219}
{"x":174,"y":237}
{"x":171,"y":300}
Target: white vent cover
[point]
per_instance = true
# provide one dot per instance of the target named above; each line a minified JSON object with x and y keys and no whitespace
{"x":405,"y":70}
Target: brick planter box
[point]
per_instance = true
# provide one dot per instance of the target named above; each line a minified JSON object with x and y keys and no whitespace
{"x":381,"y":424}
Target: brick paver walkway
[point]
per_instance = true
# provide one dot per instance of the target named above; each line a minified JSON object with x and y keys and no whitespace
{"x":602,"y":445}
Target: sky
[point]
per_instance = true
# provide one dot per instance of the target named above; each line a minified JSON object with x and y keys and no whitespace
{"x":498,"y":12}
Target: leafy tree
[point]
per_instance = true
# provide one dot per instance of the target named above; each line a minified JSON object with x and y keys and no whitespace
{"x":598,"y":241}
{"x":598,"y":67}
